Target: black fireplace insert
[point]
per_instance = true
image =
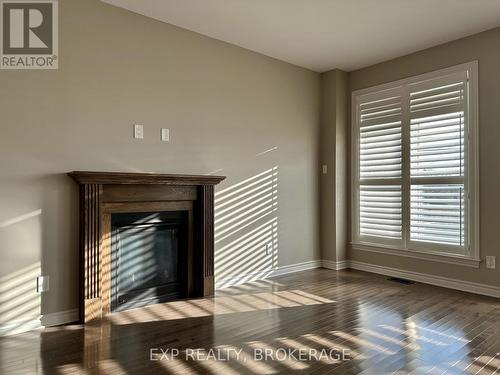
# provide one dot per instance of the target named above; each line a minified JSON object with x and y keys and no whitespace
{"x":149,"y":258}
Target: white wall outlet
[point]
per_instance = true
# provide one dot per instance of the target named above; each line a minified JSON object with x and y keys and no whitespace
{"x":165,"y":135}
{"x":491,"y":262}
{"x":42,"y":284}
{"x":324,"y":169}
{"x":138,"y":131}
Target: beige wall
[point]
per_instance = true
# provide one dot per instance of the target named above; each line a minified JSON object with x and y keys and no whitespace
{"x":484,"y":48}
{"x":333,"y":143}
{"x":248,"y":117}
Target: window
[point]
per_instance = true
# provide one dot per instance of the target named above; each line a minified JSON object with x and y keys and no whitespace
{"x":415,"y":165}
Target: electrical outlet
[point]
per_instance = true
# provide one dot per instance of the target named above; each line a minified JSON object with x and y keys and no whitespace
{"x":42,"y":284}
{"x":138,"y":131}
{"x":268,"y":248}
{"x":490,"y":262}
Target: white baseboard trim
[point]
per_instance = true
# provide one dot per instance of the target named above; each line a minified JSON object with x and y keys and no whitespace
{"x":60,"y":317}
{"x":46,"y":320}
{"x":261,"y":275}
{"x":464,"y":286}
{"x":332,"y":265}
{"x":461,"y":285}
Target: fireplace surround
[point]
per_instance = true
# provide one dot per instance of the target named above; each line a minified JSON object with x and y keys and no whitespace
{"x":105,"y":195}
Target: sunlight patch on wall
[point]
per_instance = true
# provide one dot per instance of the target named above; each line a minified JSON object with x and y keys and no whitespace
{"x":246,"y":226}
{"x":18,"y":219}
{"x":19,"y":301}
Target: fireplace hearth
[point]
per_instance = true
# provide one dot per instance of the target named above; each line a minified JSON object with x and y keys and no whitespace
{"x":144,"y":238}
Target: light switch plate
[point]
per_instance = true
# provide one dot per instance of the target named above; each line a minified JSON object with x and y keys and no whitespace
{"x":165,"y":135}
{"x":42,"y":284}
{"x":324,"y":169}
{"x":490,"y":262}
{"x":138,"y":131}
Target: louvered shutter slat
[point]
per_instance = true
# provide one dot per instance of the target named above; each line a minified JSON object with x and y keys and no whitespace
{"x":380,"y":211}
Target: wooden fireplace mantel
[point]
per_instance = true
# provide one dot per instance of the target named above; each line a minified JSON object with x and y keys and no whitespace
{"x":123,"y":178}
{"x":105,"y":193}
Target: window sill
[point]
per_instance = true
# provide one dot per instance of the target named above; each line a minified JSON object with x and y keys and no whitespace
{"x":460,"y":260}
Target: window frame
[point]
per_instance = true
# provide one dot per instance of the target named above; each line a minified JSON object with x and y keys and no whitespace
{"x":470,"y":255}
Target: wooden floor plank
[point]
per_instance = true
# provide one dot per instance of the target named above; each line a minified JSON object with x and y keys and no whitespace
{"x":383,"y":326}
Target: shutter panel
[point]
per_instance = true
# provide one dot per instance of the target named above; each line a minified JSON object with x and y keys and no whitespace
{"x":380,"y":211}
{"x":380,"y":138}
{"x":437,"y":145}
{"x":441,"y":97}
{"x":380,"y":203}
{"x":437,"y":214}
{"x":437,"y":148}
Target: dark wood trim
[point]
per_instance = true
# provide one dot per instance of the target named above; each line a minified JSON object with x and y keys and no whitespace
{"x":120,"y":178}
{"x":102,"y":194}
{"x":90,"y":243}
{"x":106,"y":264}
{"x":141,"y":193}
{"x":124,"y":207}
{"x":206,"y":240}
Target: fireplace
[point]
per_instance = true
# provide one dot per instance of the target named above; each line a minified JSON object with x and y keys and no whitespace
{"x":144,"y":238}
{"x":148,"y":258}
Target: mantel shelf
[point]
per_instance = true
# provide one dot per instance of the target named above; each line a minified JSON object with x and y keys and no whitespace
{"x":118,"y":178}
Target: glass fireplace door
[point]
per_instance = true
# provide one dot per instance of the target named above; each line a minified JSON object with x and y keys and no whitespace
{"x":148,"y":258}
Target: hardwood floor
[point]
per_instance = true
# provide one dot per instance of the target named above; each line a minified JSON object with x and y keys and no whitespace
{"x":361,"y":322}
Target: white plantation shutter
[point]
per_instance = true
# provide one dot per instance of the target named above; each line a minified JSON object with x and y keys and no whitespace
{"x":437,"y":145}
{"x":380,"y":211}
{"x":412,"y":164}
{"x":380,"y":205}
{"x":437,"y":150}
{"x":437,"y":213}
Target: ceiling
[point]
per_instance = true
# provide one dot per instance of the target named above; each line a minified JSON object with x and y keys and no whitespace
{"x":325,"y":34}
